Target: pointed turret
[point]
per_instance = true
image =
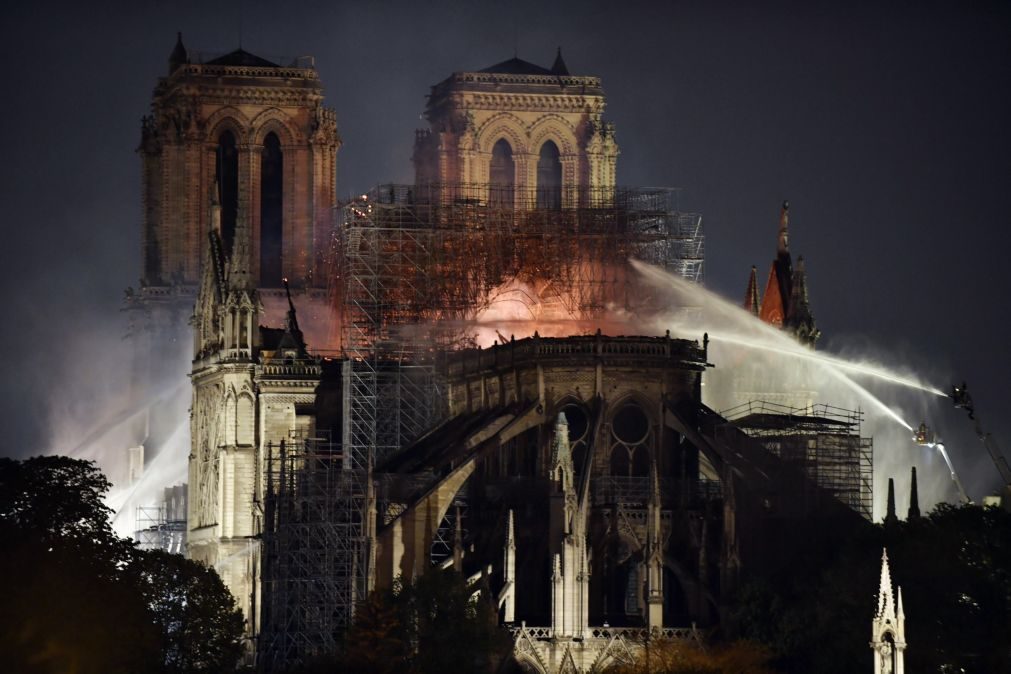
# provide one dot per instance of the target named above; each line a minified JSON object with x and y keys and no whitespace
{"x":886,"y":599}
{"x":559,"y":68}
{"x":561,"y":455}
{"x":240,"y":276}
{"x":890,"y":517}
{"x":509,"y":573}
{"x":914,"y":499}
{"x":654,"y":555}
{"x":179,"y":56}
{"x":751,"y":294}
{"x":888,"y":628}
{"x":772,"y":311}
{"x":799,"y":318}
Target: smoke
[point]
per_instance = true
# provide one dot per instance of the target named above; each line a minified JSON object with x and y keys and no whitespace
{"x":109,"y":398}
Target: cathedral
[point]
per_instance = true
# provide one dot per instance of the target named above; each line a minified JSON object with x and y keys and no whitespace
{"x":448,"y":373}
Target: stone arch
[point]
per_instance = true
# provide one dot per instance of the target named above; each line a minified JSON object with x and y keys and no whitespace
{"x":503,"y":125}
{"x":277,"y":121}
{"x":227,"y":118}
{"x":555,"y":128}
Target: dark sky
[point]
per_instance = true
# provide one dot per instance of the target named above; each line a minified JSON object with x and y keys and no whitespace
{"x":887,"y":127}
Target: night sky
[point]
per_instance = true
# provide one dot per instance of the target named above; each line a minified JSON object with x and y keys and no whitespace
{"x":887,"y":128}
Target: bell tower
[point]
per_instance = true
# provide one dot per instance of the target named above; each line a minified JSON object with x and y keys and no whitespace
{"x":257,"y":128}
{"x":532,"y":137}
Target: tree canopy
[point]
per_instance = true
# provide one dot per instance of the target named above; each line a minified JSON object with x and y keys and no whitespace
{"x":78,"y":598}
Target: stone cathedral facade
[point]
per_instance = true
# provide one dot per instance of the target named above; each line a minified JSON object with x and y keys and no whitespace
{"x":607,"y":500}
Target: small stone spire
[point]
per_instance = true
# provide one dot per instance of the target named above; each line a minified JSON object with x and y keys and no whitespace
{"x":751,"y":294}
{"x":509,"y":572}
{"x":179,"y":56}
{"x":561,"y":456}
{"x":886,"y":599}
{"x":654,"y":555}
{"x":914,"y":499}
{"x":890,"y":517}
{"x":559,"y":68}
{"x":888,"y":628}
{"x":240,"y":276}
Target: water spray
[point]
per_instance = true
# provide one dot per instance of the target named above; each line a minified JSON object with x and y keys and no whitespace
{"x":832,"y":361}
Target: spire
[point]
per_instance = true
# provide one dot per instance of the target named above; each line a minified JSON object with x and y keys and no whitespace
{"x":751,"y":294}
{"x":179,"y":56}
{"x":239,"y":275}
{"x":772,"y":310}
{"x":509,"y":571}
{"x":559,"y":67}
{"x":886,"y":600}
{"x":900,"y":613}
{"x":783,"y":248}
{"x":890,"y":517}
{"x":914,"y":500}
{"x":799,"y":318}
{"x":560,"y":454}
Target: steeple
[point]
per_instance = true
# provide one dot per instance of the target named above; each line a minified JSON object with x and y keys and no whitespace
{"x":890,"y":517}
{"x":751,"y":294}
{"x":559,"y":67}
{"x":778,"y":290}
{"x":886,"y":599}
{"x":914,"y":499}
{"x":654,"y":555}
{"x":888,"y":628}
{"x":561,"y":455}
{"x":509,"y":573}
{"x":240,"y":276}
{"x":179,"y":56}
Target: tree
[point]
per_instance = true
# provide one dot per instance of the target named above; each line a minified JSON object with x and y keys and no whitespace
{"x":78,"y":598}
{"x":670,"y":656}
{"x":199,"y":625}
{"x":65,"y":606}
{"x":438,"y":624}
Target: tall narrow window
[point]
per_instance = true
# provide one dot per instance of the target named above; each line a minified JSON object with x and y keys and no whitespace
{"x":502,"y":175}
{"x":227,"y":174}
{"x":271,"y":199}
{"x":549,"y":177}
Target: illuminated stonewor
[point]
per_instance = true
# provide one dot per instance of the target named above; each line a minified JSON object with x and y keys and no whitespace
{"x":353,"y":470}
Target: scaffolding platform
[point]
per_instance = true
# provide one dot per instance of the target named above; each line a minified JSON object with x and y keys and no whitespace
{"x":824,"y":440}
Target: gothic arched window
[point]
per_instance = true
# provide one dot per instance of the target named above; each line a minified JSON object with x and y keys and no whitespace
{"x":271,"y":212}
{"x":501,"y":175}
{"x":549,"y":177}
{"x":227,"y":174}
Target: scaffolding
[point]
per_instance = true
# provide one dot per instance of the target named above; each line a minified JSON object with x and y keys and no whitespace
{"x":163,"y":526}
{"x":315,"y":551}
{"x":412,"y":268}
{"x":824,"y":440}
